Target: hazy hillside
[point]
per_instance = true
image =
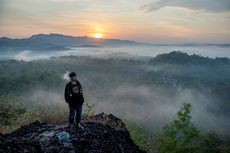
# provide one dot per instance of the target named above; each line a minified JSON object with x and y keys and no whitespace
{"x":59,"y":42}
{"x":127,"y":87}
{"x":147,"y":91}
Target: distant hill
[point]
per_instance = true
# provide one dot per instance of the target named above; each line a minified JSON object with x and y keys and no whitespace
{"x":60,"y":42}
{"x":178,"y":57}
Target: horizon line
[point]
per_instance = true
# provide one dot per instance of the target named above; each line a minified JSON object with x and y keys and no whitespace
{"x":108,"y":38}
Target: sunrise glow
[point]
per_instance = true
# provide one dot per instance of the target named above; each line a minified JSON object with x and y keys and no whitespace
{"x":97,"y":35}
{"x":156,"y":21}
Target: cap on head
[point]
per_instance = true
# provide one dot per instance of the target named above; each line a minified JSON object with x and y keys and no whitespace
{"x":72,"y":74}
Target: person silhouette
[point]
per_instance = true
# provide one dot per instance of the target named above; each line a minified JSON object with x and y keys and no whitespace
{"x":74,"y":97}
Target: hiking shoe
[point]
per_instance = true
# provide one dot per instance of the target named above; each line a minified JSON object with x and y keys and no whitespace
{"x":80,"y":126}
{"x":70,"y":125}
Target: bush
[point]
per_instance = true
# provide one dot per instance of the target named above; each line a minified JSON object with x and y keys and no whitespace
{"x":89,"y":112}
{"x":140,"y":137}
{"x":54,"y":114}
{"x":224,"y":148}
{"x":11,"y":107}
{"x":209,"y":143}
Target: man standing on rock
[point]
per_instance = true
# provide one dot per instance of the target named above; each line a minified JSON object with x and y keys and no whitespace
{"x":74,"y":97}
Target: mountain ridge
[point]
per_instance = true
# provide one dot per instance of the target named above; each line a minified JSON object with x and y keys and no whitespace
{"x":56,"y":42}
{"x":61,"y":42}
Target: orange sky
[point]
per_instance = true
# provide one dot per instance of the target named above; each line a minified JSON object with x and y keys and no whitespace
{"x":148,"y":20}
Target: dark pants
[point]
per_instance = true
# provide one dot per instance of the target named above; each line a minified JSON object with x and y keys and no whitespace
{"x":72,"y":110}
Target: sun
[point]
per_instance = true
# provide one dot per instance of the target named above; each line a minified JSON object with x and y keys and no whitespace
{"x":97,"y":35}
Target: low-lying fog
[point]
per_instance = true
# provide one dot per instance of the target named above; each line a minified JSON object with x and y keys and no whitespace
{"x":209,"y":51}
{"x":124,"y":88}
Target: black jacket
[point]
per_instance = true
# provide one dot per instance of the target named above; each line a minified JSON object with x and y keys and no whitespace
{"x":73,"y":93}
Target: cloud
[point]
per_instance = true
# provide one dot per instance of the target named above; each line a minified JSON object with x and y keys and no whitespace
{"x":65,"y":76}
{"x":62,"y":0}
{"x":209,"y":6}
{"x":27,"y":55}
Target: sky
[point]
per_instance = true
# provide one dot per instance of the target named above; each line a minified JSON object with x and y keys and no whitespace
{"x":154,"y":21}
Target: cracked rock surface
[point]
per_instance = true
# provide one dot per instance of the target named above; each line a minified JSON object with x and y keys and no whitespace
{"x":102,"y":133}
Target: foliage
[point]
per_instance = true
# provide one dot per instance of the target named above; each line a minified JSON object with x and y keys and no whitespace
{"x":11,"y":107}
{"x":224,"y":148}
{"x":179,"y":136}
{"x":88,"y":111}
{"x":140,"y":137}
{"x":209,"y":142}
{"x":178,"y":57}
{"x":51,"y":114}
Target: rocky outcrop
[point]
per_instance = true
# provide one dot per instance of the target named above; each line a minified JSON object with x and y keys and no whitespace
{"x":101,"y":134}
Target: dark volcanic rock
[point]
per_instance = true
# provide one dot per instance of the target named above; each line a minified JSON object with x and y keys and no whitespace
{"x":101,"y":134}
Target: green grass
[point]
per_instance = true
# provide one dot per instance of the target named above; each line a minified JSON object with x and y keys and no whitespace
{"x":140,"y":137}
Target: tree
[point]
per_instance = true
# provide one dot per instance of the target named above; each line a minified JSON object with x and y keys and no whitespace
{"x":180,"y":135}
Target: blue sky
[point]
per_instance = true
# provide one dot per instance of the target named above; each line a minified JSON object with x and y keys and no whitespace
{"x":156,"y":21}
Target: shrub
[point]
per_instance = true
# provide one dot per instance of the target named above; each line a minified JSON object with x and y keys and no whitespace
{"x":53,"y":114}
{"x":140,"y":137}
{"x":11,"y":107}
{"x":88,"y":112}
